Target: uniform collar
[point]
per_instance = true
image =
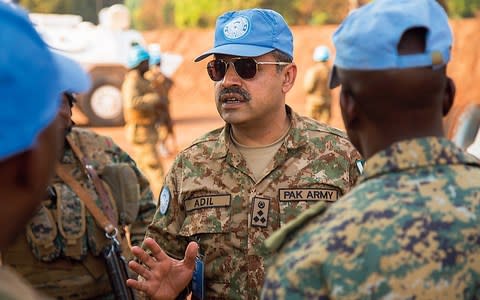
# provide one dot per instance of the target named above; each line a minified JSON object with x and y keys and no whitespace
{"x":297,"y":136}
{"x":415,"y":153}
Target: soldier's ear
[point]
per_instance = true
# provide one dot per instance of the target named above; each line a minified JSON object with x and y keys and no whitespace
{"x":348,"y":108}
{"x":450,"y":91}
{"x":289,"y":75}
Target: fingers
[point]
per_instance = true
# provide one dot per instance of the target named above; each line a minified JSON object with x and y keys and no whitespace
{"x":190,"y":254}
{"x":143,"y":256}
{"x":157,"y":252}
{"x":139,"y":269}
{"x":139,"y":285}
{"x":135,"y":284}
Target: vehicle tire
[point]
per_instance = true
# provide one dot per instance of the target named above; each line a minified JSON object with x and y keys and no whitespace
{"x":103,"y":105}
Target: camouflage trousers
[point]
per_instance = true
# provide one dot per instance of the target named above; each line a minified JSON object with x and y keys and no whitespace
{"x":318,"y":109}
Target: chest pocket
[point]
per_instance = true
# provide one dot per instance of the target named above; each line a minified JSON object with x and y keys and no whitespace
{"x":293,"y":201}
{"x":61,"y":232}
{"x":42,"y":235}
{"x":210,"y":226}
{"x":71,"y":222}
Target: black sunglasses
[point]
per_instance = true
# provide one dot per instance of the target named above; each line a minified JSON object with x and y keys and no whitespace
{"x":246,"y":67}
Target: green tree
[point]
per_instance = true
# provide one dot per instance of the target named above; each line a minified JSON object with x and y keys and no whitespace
{"x":463,"y":8}
{"x":88,"y":9}
{"x":40,"y":6}
{"x":150,"y":14}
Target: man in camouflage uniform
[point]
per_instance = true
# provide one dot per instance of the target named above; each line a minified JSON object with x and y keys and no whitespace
{"x":30,"y":139}
{"x":162,"y":84}
{"x":409,"y":229}
{"x":60,"y":252}
{"x":319,"y":98}
{"x":234,"y":186}
{"x":140,"y":106}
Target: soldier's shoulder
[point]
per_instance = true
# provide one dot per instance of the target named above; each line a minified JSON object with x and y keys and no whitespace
{"x":207,"y":139}
{"x":132,"y":74}
{"x":284,"y":234}
{"x":316,"y":128}
{"x":89,"y":134}
{"x":89,"y":137}
{"x":202,"y":146}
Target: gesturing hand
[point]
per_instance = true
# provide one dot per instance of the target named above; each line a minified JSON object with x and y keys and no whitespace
{"x":164,"y":277}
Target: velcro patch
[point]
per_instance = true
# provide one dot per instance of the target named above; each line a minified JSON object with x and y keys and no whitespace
{"x":207,"y":202}
{"x":312,"y":194}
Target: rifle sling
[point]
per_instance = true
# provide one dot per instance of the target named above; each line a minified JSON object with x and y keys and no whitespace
{"x":99,"y":187}
{"x":86,"y":198}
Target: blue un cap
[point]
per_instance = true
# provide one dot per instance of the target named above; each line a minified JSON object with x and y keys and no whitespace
{"x":136,"y":56}
{"x":251,"y":32}
{"x":321,"y":53}
{"x":32,"y":79}
{"x":368,"y":38}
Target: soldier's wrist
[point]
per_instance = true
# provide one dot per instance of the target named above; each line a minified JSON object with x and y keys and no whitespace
{"x":184,"y":294}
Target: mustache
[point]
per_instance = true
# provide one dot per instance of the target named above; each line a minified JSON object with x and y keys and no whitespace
{"x":234,"y":90}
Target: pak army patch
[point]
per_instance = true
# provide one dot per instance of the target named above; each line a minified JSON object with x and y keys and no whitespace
{"x":260,"y":211}
{"x":164,"y":200}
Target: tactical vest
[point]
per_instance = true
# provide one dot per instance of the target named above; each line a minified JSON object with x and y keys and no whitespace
{"x":135,"y":86}
{"x":59,"y":254}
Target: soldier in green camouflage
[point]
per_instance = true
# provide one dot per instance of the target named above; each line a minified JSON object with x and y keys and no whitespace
{"x":235,"y":185}
{"x":409,"y":229}
{"x":60,"y":252}
{"x":31,"y":83}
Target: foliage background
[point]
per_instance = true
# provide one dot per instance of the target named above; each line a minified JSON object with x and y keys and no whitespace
{"x":152,"y":14}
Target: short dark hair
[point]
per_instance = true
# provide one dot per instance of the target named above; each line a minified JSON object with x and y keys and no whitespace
{"x":281,"y":57}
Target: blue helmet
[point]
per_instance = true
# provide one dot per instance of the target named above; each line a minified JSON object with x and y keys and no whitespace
{"x":321,"y":53}
{"x":136,"y":56}
{"x":155,"y":59}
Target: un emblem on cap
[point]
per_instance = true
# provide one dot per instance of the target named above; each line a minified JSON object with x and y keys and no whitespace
{"x":236,"y":28}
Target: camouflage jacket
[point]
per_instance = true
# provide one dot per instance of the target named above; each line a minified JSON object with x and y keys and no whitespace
{"x":139,"y":100}
{"x":408,"y":230}
{"x":62,"y":256}
{"x":210,"y":197}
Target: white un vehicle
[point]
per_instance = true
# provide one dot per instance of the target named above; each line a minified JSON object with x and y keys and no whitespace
{"x":102,"y":49}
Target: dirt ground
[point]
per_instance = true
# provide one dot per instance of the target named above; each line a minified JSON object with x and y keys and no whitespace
{"x":192,"y":101}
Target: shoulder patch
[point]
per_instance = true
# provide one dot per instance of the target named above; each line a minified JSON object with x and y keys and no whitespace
{"x":360,"y":165}
{"x":164,"y":200}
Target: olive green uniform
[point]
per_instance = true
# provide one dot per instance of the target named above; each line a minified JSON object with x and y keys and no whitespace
{"x":408,"y":230}
{"x":319,"y":98}
{"x":140,"y":106}
{"x":210,"y":196}
{"x":60,"y":254}
{"x":162,"y":85}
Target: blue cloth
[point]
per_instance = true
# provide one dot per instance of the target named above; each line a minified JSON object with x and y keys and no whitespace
{"x":321,"y":53}
{"x":368,"y":37}
{"x":155,"y":59}
{"x":136,"y":56}
{"x":251,"y":33}
{"x":32,"y":79}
